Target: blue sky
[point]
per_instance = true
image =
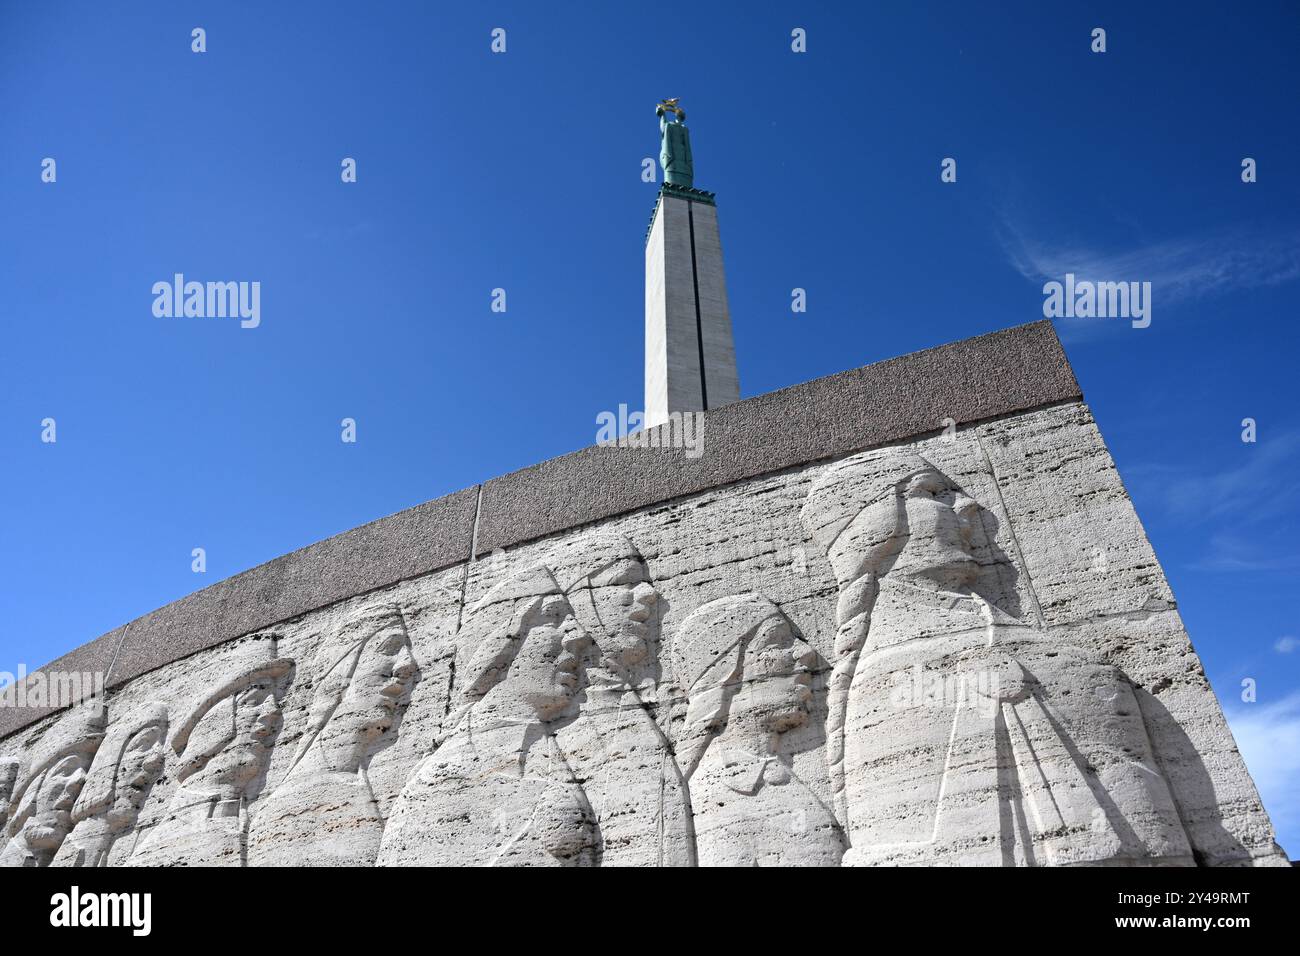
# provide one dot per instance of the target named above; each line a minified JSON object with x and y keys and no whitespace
{"x":522,"y":171}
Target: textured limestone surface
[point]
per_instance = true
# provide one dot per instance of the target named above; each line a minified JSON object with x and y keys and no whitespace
{"x":954,"y":650}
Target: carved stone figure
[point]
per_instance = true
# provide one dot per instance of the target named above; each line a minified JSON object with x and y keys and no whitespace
{"x":8,"y":777}
{"x":222,"y":750}
{"x":324,"y":812}
{"x":748,"y":683}
{"x":499,"y":790}
{"x":126,"y":767}
{"x":616,"y":747}
{"x":959,"y":732}
{"x":40,"y":810}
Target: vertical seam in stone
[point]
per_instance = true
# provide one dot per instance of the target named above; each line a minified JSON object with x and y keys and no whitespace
{"x":473,"y":550}
{"x":464,"y":587}
{"x":478,"y":507}
{"x":1015,"y":539}
{"x":699,"y":325}
{"x":108,"y":676}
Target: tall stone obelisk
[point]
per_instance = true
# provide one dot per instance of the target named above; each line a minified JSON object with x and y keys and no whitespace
{"x":690,"y":359}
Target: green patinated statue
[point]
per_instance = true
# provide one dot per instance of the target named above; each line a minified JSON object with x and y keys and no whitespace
{"x":675,"y":148}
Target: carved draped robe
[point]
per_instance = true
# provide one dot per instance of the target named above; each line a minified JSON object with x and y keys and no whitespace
{"x":91,"y":841}
{"x":317,"y":817}
{"x":963,"y":721}
{"x":496,"y":793}
{"x":198,"y":828}
{"x":631,"y":779}
{"x":752,"y":810}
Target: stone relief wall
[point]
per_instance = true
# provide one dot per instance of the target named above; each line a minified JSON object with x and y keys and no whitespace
{"x":959,"y":650}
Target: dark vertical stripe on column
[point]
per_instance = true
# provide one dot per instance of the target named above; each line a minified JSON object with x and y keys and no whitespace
{"x":699,"y":326}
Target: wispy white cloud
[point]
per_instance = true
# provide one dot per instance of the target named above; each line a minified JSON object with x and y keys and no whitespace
{"x":1265,"y":465}
{"x":1241,"y":510}
{"x":1268,"y":736}
{"x":1254,"y":489}
{"x":1229,"y":552}
{"x":1285,"y":645}
{"x":1178,"y":269}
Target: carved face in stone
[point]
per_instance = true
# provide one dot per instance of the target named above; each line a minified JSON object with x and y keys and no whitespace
{"x":545,"y":672}
{"x":776,"y":684}
{"x":624,"y":603}
{"x":892,"y":512}
{"x":745,"y":670}
{"x":940,"y":524}
{"x":527,"y":649}
{"x":381,"y":682}
{"x":51,"y":819}
{"x":142,"y":762}
{"x":233,"y":740}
